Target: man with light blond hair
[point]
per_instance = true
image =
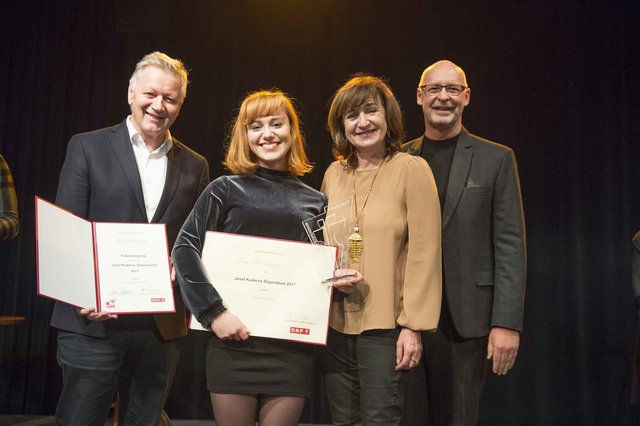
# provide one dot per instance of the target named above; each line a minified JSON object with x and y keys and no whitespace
{"x":135,"y":171}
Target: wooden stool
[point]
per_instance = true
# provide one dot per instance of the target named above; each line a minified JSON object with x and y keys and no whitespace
{"x":10,"y":320}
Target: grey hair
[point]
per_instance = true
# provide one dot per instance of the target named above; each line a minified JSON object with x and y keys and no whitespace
{"x":165,"y":63}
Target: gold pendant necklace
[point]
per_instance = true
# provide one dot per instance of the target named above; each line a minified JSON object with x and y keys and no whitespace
{"x":356,"y":243}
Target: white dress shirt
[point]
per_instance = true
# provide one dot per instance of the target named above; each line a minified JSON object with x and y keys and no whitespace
{"x":152,"y":167}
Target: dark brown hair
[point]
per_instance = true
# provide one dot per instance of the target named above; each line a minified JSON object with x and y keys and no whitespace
{"x":356,"y":92}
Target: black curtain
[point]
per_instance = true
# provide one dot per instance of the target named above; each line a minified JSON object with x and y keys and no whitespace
{"x":556,"y":81}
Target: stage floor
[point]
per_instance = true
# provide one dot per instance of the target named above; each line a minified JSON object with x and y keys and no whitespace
{"x":23,"y":420}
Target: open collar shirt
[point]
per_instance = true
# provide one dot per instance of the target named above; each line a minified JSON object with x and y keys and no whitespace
{"x":152,"y":167}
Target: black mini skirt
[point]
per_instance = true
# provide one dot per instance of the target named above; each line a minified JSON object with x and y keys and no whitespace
{"x":259,"y":366}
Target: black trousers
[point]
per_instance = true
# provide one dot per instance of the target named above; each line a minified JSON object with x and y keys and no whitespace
{"x":137,"y":363}
{"x":454,"y":371}
{"x":360,"y":378}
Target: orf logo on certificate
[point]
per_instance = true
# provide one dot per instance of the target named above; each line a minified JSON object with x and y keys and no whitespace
{"x":298,"y":330}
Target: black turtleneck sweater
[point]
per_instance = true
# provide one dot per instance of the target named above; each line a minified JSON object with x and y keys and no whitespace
{"x":439,"y":155}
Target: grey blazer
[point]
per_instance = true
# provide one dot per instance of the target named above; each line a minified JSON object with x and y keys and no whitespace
{"x":483,"y":237}
{"x":99,"y":181}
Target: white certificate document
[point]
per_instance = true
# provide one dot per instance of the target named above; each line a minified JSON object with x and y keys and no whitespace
{"x":273,"y":286}
{"x":113,"y":267}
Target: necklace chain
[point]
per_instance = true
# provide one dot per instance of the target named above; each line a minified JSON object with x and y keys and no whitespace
{"x":366,"y":198}
{"x":356,"y":243}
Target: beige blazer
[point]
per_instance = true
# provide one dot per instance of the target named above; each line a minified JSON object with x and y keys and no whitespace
{"x":401,"y":263}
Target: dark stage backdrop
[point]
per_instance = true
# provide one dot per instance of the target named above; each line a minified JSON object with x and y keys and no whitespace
{"x":555,"y":80}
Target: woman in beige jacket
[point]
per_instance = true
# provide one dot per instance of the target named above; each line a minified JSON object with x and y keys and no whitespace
{"x":394,"y":242}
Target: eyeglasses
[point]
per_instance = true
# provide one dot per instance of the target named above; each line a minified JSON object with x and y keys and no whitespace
{"x":452,"y":89}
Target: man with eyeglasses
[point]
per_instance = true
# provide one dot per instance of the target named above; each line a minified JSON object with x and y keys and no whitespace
{"x":483,"y":250}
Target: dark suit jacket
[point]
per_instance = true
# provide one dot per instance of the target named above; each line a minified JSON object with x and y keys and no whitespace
{"x":483,"y":237}
{"x":100,"y":182}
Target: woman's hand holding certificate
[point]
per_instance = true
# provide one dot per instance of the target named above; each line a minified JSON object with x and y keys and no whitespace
{"x":346,"y":280}
{"x":229,"y":327}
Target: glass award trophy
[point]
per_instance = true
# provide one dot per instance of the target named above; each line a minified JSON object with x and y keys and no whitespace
{"x":332,"y":228}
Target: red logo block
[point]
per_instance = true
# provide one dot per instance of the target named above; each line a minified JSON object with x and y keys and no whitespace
{"x":298,"y":330}
{"x":157,"y":299}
